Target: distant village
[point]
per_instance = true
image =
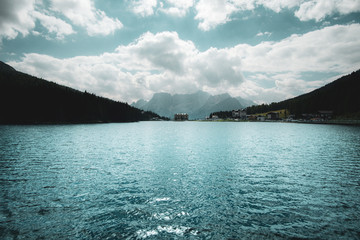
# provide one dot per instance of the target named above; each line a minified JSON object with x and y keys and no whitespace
{"x":278,"y":115}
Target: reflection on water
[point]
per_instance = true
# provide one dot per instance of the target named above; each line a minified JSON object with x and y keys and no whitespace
{"x":180,"y":180}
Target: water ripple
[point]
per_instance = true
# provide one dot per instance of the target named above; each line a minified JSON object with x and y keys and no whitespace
{"x":180,"y":181}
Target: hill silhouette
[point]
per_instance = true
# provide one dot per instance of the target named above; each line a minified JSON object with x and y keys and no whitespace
{"x":25,"y":99}
{"x":340,"y":96}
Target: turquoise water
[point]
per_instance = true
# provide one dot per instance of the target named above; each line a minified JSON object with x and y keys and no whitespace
{"x":180,"y":180}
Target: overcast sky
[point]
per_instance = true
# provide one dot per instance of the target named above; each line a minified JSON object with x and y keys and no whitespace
{"x":263,"y":50}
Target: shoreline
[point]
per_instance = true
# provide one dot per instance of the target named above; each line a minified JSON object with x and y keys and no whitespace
{"x":349,"y":122}
{"x":329,"y":122}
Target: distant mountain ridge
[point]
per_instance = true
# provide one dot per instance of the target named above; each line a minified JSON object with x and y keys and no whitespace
{"x":198,"y":105}
{"x":25,"y":99}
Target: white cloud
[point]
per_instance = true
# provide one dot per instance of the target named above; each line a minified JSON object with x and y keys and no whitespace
{"x":15,"y":18}
{"x":185,"y":4}
{"x":163,"y":51}
{"x":84,"y":14}
{"x":291,"y":83}
{"x":164,"y":62}
{"x":331,"y":49}
{"x":144,"y":8}
{"x":319,"y":9}
{"x":20,"y":16}
{"x":177,"y":8}
{"x":253,"y":91}
{"x":153,"y":63}
{"x":212,"y":13}
{"x":260,"y":34}
{"x":278,"y":5}
{"x":182,"y":64}
{"x":335,"y":48}
{"x":217,"y":67}
{"x":285,"y":85}
{"x":54,"y":25}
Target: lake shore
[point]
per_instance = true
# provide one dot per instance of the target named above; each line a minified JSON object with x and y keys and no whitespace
{"x":351,"y":122}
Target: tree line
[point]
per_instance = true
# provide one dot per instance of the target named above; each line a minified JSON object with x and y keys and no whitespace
{"x":25,"y":99}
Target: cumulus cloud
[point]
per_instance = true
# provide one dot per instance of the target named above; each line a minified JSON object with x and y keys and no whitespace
{"x":84,"y":14}
{"x":278,"y":5}
{"x":335,"y":48}
{"x":15,"y":18}
{"x":177,"y":8}
{"x":164,"y":62}
{"x":152,"y":63}
{"x":54,"y":25}
{"x":261,"y":34}
{"x":212,"y":13}
{"x":217,"y":67}
{"x":284,"y":85}
{"x":21,"y":16}
{"x":319,"y":9}
{"x":144,"y":8}
{"x":331,"y":49}
{"x":165,"y":51}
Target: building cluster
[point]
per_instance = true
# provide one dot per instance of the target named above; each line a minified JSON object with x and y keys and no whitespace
{"x":317,"y":117}
{"x":278,"y":115}
{"x":241,"y":115}
{"x":271,"y":116}
{"x":181,"y":117}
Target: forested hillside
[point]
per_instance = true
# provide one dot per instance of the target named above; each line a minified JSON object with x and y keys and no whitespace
{"x":341,"y":96}
{"x":25,"y":99}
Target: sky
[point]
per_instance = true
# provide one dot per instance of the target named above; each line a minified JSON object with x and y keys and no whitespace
{"x":261,"y":50}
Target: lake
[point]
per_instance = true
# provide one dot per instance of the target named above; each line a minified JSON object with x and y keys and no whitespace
{"x":180,"y":180}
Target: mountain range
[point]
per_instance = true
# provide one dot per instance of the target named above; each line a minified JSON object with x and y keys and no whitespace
{"x":198,"y":105}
